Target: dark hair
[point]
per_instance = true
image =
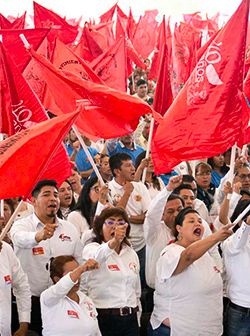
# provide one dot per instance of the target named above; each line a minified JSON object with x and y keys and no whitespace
{"x":43,"y":183}
{"x":223,"y":170}
{"x":156,"y":183}
{"x":187,"y":178}
{"x":84,"y":204}
{"x":202,"y":165}
{"x":174,"y":196}
{"x":75,"y":169}
{"x":180,"y":218}
{"x":57,"y":264}
{"x":10,"y":203}
{"x":99,"y":221}
{"x":116,"y":161}
{"x":244,"y":165}
{"x":72,"y":204}
{"x":141,"y":82}
{"x":181,"y":187}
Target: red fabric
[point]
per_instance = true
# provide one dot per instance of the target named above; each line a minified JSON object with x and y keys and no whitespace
{"x":144,"y":38}
{"x":133,"y":55}
{"x":17,"y":23}
{"x":206,"y":117}
{"x":107,"y":31}
{"x":45,"y":18}
{"x":131,"y":25}
{"x":113,"y":106}
{"x":111,"y":66}
{"x":15,"y":46}
{"x":20,"y":109}
{"x":88,"y":48}
{"x":21,"y":167}
{"x":108,"y":16}
{"x":120,"y":27}
{"x":245,"y":137}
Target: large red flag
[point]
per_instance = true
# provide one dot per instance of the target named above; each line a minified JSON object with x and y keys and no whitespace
{"x":245,"y":136}
{"x":21,"y":109}
{"x":17,"y":23}
{"x":111,"y":66}
{"x":15,"y":47}
{"x":25,"y":157}
{"x":144,"y":38}
{"x":113,"y":107}
{"x":163,"y":97}
{"x":108,"y":16}
{"x":206,"y":117}
{"x":45,"y":18}
{"x":88,"y":48}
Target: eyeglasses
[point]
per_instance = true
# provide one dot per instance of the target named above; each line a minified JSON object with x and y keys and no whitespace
{"x":113,"y":222}
{"x":244,"y":176}
{"x":208,"y":173}
{"x":96,"y":189}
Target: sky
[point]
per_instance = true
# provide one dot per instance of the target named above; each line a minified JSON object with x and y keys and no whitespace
{"x":94,"y":8}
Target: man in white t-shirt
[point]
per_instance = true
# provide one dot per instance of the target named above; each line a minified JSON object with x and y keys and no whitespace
{"x":134,"y":198}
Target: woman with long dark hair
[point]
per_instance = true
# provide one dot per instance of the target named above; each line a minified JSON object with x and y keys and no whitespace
{"x":67,"y":201}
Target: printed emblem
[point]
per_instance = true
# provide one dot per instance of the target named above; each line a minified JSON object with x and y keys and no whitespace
{"x":7,"y":280}
{"x":37,"y":250}
{"x":113,"y":267}
{"x":73,"y":314}
{"x":63,"y":237}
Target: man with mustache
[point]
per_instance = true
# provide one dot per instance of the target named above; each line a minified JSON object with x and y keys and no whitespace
{"x":40,"y":236}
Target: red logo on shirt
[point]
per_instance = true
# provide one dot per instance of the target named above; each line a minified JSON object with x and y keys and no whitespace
{"x":73,"y":314}
{"x":216,"y":269}
{"x":63,"y":237}
{"x":38,"y":250}
{"x":132,"y":266}
{"x":113,"y":268}
{"x":7,"y":280}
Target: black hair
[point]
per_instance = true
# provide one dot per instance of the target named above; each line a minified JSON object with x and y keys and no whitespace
{"x":57,"y":264}
{"x":84,"y":204}
{"x":187,"y":178}
{"x":72,"y":204}
{"x":156,"y":183}
{"x":203,"y":165}
{"x":181,"y":187}
{"x":244,"y":165}
{"x":99,"y":221}
{"x":116,"y":161}
{"x":181,"y":216}
{"x":10,"y":203}
{"x":37,"y":189}
{"x":223,"y":170}
{"x":141,"y":82}
{"x":174,"y":196}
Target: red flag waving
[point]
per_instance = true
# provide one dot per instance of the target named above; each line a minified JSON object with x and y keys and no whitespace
{"x":108,"y":16}
{"x":206,"y":117}
{"x":45,"y":18}
{"x":111,"y":66}
{"x":20,"y":166}
{"x":21,"y":109}
{"x":15,"y":47}
{"x":112,"y":104}
{"x":17,"y":23}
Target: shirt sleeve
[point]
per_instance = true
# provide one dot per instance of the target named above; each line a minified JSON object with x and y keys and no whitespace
{"x":153,"y":218}
{"x":146,"y":199}
{"x":21,"y":237}
{"x":21,"y":288}
{"x":237,"y":242}
{"x":168,"y":262}
{"x":55,"y":293}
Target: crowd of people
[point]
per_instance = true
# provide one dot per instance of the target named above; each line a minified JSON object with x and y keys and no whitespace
{"x":129,"y":258}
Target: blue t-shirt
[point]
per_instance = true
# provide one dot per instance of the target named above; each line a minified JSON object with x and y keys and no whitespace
{"x":69,"y":149}
{"x":82,"y":162}
{"x":122,"y":149}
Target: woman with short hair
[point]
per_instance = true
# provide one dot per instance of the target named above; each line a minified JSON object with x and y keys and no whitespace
{"x":188,"y":291}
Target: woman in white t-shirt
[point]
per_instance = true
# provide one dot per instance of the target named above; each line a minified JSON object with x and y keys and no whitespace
{"x":188,"y":291}
{"x":115,"y":286}
{"x":65,"y":310}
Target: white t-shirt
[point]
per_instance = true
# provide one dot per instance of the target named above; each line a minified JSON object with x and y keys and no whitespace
{"x":61,"y":316}
{"x":80,"y":222}
{"x":138,"y":204}
{"x":192,"y":300}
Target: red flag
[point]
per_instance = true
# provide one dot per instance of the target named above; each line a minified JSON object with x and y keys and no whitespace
{"x":113,"y":107}
{"x":245,"y":136}
{"x":144,"y":37}
{"x":88,"y":48}
{"x":163,"y":97}
{"x":20,"y":165}
{"x":17,"y":23}
{"x":133,"y":57}
{"x":45,"y":18}
{"x":206,"y":117}
{"x":106,"y":29}
{"x":20,"y":109}
{"x":108,"y":16}
{"x":111,"y":66}
{"x":15,"y":47}
{"x":131,"y":25}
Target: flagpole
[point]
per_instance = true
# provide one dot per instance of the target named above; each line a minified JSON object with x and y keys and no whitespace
{"x":10,"y":221}
{"x":85,"y":148}
{"x":148,"y":148}
{"x":232,"y":163}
